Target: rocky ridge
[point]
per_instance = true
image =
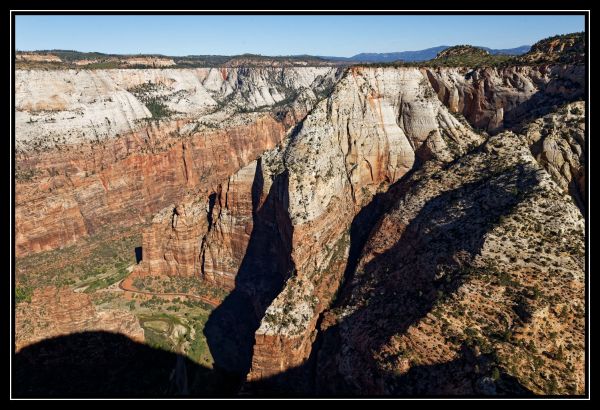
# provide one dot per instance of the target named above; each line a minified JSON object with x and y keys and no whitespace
{"x":460,"y":51}
{"x":68,"y":59}
{"x":566,"y":48}
{"x":364,"y":137}
{"x":557,"y":141}
{"x":494,"y":99}
{"x":372,"y":130}
{"x":471,"y":284}
{"x":71,"y":106}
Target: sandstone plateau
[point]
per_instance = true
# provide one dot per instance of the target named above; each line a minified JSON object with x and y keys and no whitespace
{"x":376,"y":230}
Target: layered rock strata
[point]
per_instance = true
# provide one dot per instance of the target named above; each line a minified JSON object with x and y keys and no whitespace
{"x":557,"y":141}
{"x":206,"y":237}
{"x":90,"y":151}
{"x":365,"y":137}
{"x":368,"y":134}
{"x":282,"y":231}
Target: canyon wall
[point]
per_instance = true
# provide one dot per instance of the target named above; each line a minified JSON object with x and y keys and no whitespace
{"x":267,"y":181}
{"x":89,"y":151}
{"x":494,"y":99}
{"x":205,"y":236}
{"x":366,"y":136}
{"x":352,"y":146}
{"x":377,"y":125}
{"x":557,"y":141}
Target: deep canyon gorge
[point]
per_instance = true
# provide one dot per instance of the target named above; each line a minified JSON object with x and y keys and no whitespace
{"x":310,"y":230}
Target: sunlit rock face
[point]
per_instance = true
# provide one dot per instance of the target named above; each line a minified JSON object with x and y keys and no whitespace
{"x":494,"y":99}
{"x":115,"y":146}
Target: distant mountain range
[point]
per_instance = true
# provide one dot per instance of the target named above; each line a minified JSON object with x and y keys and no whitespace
{"x":419,"y":55}
{"x":77,"y":59}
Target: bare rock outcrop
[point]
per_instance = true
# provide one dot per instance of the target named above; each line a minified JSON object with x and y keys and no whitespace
{"x":494,"y":99}
{"x":566,"y":48}
{"x":363,"y":138}
{"x":557,"y":141}
{"x":352,"y":146}
{"x":90,"y":151}
{"x":38,"y":57}
{"x":64,"y":195}
{"x":55,"y":312}
{"x":156,"y":62}
{"x":206,"y":237}
{"x":362,"y":226}
{"x":73,"y":106}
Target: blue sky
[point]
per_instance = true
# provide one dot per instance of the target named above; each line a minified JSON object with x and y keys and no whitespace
{"x":282,"y":35}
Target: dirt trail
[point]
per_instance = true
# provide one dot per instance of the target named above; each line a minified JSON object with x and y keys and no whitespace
{"x":211,"y":302}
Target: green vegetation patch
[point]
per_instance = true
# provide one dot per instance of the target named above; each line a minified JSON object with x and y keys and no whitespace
{"x":158,"y":325}
{"x":97,"y":262}
{"x":23,"y":294}
{"x":199,"y":350}
{"x":179,"y":284}
{"x":468,"y":56}
{"x":148,"y":94}
{"x":107,"y":281}
{"x":160,"y":332}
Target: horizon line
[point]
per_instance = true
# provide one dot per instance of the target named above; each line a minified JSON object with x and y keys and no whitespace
{"x":256,"y":54}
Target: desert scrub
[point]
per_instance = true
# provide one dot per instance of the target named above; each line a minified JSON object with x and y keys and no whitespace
{"x":23,"y":294}
{"x":106,"y":282}
{"x":24,"y":175}
{"x":148,"y":94}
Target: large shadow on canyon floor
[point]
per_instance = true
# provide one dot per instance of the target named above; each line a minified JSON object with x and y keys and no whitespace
{"x":405,"y":282}
{"x":103,"y":364}
{"x":266,"y":265}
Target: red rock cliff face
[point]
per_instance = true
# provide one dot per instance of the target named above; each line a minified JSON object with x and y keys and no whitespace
{"x":91,"y":153}
{"x":82,"y":188}
{"x":231,"y":226}
{"x":367,"y":108}
{"x":351,"y":147}
{"x":204,"y":237}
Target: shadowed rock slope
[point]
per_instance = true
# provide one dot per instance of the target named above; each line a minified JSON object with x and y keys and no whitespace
{"x":472,"y":281}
